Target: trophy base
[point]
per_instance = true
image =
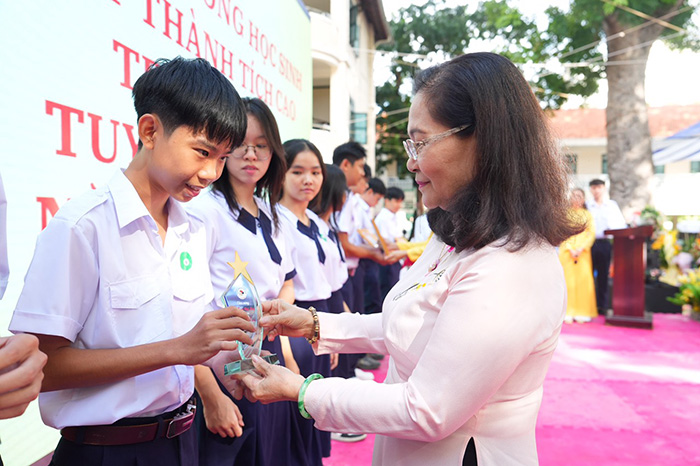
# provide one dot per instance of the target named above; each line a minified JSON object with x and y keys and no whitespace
{"x":246,"y":365}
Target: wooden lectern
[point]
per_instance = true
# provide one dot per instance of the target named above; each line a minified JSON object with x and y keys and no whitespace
{"x":629,"y":258}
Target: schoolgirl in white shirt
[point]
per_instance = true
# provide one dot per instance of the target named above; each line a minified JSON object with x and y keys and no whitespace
{"x":242,"y":220}
{"x":329,"y":202}
{"x":305,"y":174}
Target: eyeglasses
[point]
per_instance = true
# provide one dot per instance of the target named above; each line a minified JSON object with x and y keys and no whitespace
{"x":261,"y":151}
{"x":413,"y":148}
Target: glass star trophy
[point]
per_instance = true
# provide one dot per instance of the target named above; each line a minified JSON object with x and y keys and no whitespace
{"x":241,"y":293}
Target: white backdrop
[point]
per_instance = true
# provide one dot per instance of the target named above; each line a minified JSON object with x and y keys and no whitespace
{"x":67,"y":121}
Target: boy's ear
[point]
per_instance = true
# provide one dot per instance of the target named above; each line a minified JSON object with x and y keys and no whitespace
{"x":345,"y":164}
{"x":148,"y":126}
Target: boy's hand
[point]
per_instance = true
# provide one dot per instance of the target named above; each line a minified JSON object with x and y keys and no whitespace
{"x":394,"y":256}
{"x":218,"y":330}
{"x":21,"y":365}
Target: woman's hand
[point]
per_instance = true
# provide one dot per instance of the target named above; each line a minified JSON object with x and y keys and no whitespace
{"x":270,"y":383}
{"x":282,"y":318}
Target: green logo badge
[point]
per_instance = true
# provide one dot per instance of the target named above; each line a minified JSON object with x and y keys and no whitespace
{"x":185,"y":261}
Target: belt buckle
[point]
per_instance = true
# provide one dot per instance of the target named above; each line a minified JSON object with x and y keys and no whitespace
{"x":181,"y":423}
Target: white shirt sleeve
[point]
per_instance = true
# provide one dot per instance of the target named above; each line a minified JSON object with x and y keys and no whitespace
{"x":480,"y":340}
{"x":61,"y":283}
{"x":616,"y":220}
{"x":4,"y":262}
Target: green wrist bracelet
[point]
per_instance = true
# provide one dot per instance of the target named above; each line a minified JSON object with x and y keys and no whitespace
{"x":302,"y":392}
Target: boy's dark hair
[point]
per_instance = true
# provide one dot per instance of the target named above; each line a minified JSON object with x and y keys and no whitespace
{"x":596,"y":182}
{"x":294,"y":147}
{"x":394,"y":193}
{"x":191,"y":93}
{"x":332,"y":194}
{"x":368,"y":172}
{"x":353,"y":151}
{"x":377,"y":186}
{"x":518,"y":194}
{"x":269,"y":187}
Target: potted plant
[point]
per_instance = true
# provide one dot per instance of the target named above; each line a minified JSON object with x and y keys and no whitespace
{"x":688,"y":294}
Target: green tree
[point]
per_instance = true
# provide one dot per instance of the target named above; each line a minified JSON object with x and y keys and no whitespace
{"x":569,"y":60}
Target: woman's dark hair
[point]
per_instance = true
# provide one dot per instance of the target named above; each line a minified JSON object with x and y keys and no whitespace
{"x":269,"y":187}
{"x":332,"y":194}
{"x":191,"y":93}
{"x":519,"y":191}
{"x":294,"y":147}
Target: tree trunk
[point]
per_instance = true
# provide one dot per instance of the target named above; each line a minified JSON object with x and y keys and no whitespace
{"x":629,"y":141}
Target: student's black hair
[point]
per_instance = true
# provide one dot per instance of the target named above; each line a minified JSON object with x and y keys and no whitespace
{"x":191,"y":93}
{"x":394,"y":193}
{"x":368,"y":172}
{"x":519,"y":191}
{"x":596,"y":182}
{"x":377,"y":186}
{"x":332,"y":194}
{"x":269,"y":187}
{"x":352,"y":151}
{"x":294,"y":147}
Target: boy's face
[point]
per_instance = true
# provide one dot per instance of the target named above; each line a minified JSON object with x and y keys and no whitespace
{"x":393,"y":205}
{"x":183,"y":163}
{"x":354,"y":171}
{"x":361,"y":186}
{"x":372,"y":198}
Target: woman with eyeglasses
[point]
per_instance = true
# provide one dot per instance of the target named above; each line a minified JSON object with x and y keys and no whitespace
{"x":471,"y":328}
{"x":241,"y":214}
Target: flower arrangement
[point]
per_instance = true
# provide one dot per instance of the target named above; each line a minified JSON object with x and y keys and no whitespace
{"x":688,"y":291}
{"x":675,"y":252}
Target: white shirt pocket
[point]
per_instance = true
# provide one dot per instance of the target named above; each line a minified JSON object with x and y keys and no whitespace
{"x":137,"y":311}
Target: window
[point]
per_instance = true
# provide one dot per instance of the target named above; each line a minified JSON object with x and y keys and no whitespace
{"x":572,"y":162}
{"x":358,"y":127}
{"x":659,"y":169}
{"x":354,"y":29}
{"x":695,"y":166}
{"x":604,"y":164}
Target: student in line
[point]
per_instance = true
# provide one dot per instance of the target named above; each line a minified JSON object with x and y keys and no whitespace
{"x":372,"y":290}
{"x":389,"y":226}
{"x":241,"y":216}
{"x":302,"y":183}
{"x":119,"y":286}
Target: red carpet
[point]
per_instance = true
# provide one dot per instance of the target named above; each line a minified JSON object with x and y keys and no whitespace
{"x":613,"y":396}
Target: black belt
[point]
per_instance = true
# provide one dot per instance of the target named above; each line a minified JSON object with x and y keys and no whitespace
{"x":168,"y":425}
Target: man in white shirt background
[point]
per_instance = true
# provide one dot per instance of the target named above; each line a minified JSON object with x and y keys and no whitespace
{"x":606,"y":216}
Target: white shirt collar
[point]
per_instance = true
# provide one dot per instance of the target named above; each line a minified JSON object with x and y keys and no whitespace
{"x":129,"y":206}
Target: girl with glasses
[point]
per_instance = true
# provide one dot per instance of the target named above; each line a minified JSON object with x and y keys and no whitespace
{"x":472,"y":326}
{"x":241,"y":214}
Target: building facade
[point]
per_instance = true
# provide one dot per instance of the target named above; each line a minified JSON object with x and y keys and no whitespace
{"x":344,"y":34}
{"x":583,"y":138}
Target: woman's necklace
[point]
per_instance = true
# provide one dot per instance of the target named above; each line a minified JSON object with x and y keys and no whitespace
{"x":443,"y":253}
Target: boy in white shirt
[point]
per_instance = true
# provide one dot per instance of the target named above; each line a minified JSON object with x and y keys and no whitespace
{"x":372,"y":291}
{"x":389,"y":226}
{"x":119,"y":284}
